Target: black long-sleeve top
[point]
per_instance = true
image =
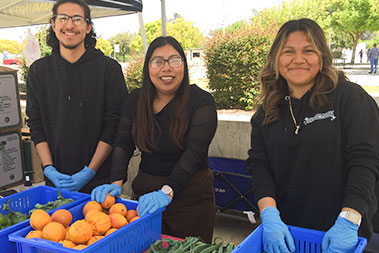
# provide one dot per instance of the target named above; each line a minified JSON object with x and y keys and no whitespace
{"x":166,"y":159}
{"x":332,"y":163}
{"x":73,"y":106}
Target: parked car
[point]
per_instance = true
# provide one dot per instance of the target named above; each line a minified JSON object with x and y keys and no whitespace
{"x":12,"y":62}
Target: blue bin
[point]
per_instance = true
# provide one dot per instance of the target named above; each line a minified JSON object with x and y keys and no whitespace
{"x":25,"y":201}
{"x":233,"y":184}
{"x":131,"y":238}
{"x":306,"y":241}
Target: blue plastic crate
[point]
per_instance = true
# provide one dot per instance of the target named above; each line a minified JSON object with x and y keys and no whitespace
{"x":131,"y":238}
{"x":234,"y":171}
{"x":25,"y":201}
{"x":306,"y":241}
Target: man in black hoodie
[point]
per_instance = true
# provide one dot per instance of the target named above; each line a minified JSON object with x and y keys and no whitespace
{"x":74,"y":99}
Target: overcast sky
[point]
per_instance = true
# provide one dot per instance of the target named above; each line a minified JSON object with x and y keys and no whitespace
{"x":206,"y":14}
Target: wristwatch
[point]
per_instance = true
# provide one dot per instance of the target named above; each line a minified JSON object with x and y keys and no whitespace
{"x":352,"y":217}
{"x":168,"y":191}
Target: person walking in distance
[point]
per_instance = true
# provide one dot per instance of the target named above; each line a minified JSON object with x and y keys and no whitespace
{"x":373,"y":55}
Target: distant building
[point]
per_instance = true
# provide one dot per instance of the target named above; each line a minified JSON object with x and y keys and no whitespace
{"x":195,"y":56}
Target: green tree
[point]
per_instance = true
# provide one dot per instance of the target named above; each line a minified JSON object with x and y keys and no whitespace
{"x":353,"y":18}
{"x":295,"y":9}
{"x":10,"y":46}
{"x":124,"y":40}
{"x":185,"y":32}
{"x":105,"y":46}
{"x":41,"y":35}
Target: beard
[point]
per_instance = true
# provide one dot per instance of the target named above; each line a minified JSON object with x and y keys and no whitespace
{"x":71,"y":46}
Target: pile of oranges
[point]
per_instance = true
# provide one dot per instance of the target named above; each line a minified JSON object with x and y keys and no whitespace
{"x":100,"y":220}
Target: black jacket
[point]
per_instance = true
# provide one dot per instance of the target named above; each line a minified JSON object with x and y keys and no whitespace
{"x":72,"y":106}
{"x":166,"y":159}
{"x":332,"y":163}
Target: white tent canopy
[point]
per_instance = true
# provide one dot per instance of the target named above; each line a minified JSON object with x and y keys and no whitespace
{"x":15,"y":13}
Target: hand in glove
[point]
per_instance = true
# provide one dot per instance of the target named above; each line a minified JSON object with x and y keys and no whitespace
{"x":100,"y":193}
{"x":151,"y":202}
{"x":58,"y":179}
{"x":341,"y":237}
{"x":80,"y":179}
{"x":276,"y":236}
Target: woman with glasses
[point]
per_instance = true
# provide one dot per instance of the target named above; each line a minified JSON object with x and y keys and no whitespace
{"x":172,"y":123}
{"x":314,"y":154}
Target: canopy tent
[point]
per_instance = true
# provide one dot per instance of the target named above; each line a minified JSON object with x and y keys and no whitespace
{"x":15,"y":13}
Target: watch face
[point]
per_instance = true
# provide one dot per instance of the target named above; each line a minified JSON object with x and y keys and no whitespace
{"x":167,"y":190}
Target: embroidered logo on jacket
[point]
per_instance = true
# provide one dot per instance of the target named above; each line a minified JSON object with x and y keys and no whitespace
{"x":320,"y":116}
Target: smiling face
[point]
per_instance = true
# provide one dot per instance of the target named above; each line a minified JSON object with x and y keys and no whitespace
{"x":299,"y":63}
{"x":71,"y":36}
{"x":166,"y":79}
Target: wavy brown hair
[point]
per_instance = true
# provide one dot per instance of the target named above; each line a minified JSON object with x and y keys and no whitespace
{"x":145,"y":127}
{"x":90,"y":39}
{"x":274,"y":87}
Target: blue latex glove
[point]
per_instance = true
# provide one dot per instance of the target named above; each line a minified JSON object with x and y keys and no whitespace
{"x":80,"y":179}
{"x":100,"y":193}
{"x":341,"y":237}
{"x":276,"y":236}
{"x":59,"y":179}
{"x":151,"y":202}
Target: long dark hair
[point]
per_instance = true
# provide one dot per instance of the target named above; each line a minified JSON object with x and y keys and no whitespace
{"x":274,"y":86}
{"x":90,"y":39}
{"x":145,"y":127}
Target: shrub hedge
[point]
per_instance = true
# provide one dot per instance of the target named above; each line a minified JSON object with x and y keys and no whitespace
{"x":233,"y":62}
{"x":133,"y":74}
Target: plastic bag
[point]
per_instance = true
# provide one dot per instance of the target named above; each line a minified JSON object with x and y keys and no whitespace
{"x":31,"y":49}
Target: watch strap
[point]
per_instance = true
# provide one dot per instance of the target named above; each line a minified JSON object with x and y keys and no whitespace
{"x":352,"y":217}
{"x":168,"y":191}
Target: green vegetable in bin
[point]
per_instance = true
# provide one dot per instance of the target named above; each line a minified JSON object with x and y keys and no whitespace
{"x":189,"y":244}
{"x":11,"y":217}
{"x":3,"y":220}
{"x":52,"y":204}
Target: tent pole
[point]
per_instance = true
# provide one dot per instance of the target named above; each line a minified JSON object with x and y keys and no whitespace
{"x":163,"y":10}
{"x":143,"y":33}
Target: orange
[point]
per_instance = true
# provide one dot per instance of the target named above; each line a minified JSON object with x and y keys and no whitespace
{"x":100,"y":222}
{"x":68,"y":244}
{"x":91,"y":213}
{"x":80,"y":232}
{"x":39,"y":219}
{"x":54,"y":231}
{"x":62,"y":216}
{"x":94,"y":239}
{"x":134,"y":218}
{"x":110,"y":231}
{"x":34,"y":234}
{"x":80,"y":246}
{"x":117,"y":220}
{"x":130,"y":214}
{"x":67,"y":237}
{"x":91,"y":205}
{"x":118,"y":208}
{"x":108,"y":202}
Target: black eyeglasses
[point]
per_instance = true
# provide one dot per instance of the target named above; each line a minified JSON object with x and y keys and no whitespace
{"x":76,"y":19}
{"x":173,"y":62}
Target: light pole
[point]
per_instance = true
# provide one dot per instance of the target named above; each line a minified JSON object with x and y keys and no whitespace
{"x":114,"y":50}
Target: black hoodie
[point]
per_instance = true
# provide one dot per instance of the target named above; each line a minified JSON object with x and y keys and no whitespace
{"x":72,"y":106}
{"x":333,"y":161}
